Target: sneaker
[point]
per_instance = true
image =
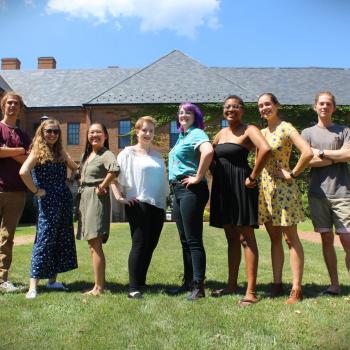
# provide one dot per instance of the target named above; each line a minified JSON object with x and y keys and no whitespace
{"x":32,"y":294}
{"x":197,"y":291}
{"x":8,"y":287}
{"x":56,"y":285}
{"x":135,"y":295}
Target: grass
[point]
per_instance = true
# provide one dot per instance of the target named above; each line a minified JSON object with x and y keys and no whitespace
{"x":59,"y":320}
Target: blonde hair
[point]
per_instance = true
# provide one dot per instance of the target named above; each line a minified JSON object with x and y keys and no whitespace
{"x":43,"y":152}
{"x":147,"y":118}
{"x":7,"y":96}
{"x":325,"y":93}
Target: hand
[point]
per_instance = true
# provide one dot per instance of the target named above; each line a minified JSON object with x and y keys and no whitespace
{"x":190,"y":180}
{"x":100,"y":191}
{"x":41,"y":193}
{"x":249,"y":183}
{"x":283,"y":174}
{"x":129,"y":202}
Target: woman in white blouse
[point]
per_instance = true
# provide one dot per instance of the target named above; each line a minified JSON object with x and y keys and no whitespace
{"x":143,"y":187}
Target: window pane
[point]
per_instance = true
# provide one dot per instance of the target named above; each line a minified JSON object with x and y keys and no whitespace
{"x":124,"y":137}
{"x":73,"y":134}
{"x":174,"y":133}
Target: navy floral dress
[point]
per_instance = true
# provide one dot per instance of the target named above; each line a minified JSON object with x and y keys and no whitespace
{"x":54,"y":247}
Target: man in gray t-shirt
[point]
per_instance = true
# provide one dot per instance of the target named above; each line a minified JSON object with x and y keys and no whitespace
{"x":329,"y":190}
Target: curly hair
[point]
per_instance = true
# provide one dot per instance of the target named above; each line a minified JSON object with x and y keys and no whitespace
{"x":42,"y":150}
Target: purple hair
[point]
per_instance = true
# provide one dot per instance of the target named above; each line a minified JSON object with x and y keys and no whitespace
{"x":198,"y":115}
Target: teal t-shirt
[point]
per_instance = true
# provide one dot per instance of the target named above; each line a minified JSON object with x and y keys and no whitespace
{"x":184,"y":156}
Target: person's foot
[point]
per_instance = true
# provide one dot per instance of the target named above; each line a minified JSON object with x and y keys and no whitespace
{"x":332,"y":291}
{"x":276,"y":290}
{"x":248,"y":300}
{"x":56,"y":285}
{"x":296,"y":295}
{"x":217,"y":293}
{"x":197,"y":291}
{"x":185,"y":287}
{"x":135,"y":295}
{"x":31,"y":294}
{"x":8,"y":287}
{"x":95,"y":292}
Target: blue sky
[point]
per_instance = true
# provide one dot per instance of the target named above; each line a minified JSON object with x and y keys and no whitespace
{"x":134,"y":33}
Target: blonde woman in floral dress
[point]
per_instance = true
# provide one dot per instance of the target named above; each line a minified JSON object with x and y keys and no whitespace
{"x":280,"y":207}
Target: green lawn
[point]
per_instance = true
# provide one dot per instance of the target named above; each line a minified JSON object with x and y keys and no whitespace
{"x":59,"y":320}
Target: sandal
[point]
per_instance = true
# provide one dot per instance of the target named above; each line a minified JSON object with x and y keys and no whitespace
{"x":247,"y":302}
{"x":329,"y":293}
{"x":217,"y":293}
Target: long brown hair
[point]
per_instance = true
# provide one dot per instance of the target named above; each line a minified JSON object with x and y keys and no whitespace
{"x":42,"y":150}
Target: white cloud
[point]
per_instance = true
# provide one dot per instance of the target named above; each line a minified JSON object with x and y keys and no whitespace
{"x":181,"y":16}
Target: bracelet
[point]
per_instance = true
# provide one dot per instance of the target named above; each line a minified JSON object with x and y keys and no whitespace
{"x":251,"y":179}
{"x":36,"y":192}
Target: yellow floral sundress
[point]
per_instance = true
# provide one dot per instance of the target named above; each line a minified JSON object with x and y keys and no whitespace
{"x":279,"y":200}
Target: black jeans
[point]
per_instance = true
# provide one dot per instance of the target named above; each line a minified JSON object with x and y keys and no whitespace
{"x":146,"y":223}
{"x":188,"y":208}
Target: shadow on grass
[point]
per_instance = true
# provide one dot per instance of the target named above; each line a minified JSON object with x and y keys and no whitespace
{"x":310,"y":290}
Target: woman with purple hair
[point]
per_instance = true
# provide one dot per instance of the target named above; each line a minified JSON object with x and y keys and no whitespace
{"x":189,"y":160}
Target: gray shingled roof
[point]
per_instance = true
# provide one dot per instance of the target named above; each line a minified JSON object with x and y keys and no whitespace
{"x":173,"y":78}
{"x":3,"y":85}
{"x":292,"y":85}
{"x":62,"y":88}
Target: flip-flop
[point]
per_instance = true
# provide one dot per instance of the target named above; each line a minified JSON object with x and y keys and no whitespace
{"x":247,"y":302}
{"x":330,"y":293}
{"x":221,"y":292}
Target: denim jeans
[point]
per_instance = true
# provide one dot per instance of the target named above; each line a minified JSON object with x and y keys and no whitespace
{"x":146,"y":223}
{"x":188,"y":208}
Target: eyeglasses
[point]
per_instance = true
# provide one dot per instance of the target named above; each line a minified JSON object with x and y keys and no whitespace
{"x":233,"y":106}
{"x":52,"y":131}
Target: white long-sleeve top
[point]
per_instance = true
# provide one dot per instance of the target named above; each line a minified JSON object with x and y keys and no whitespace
{"x":143,"y":176}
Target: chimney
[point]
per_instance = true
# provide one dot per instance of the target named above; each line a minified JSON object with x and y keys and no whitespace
{"x":10,"y":63}
{"x":46,"y":63}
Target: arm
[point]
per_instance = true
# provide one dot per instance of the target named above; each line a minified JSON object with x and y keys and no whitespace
{"x":101,"y":189}
{"x":26,"y":175}
{"x":262,"y":155}
{"x":9,"y":152}
{"x":206,"y":150}
{"x":119,"y":195}
{"x":306,"y":156}
{"x":340,"y":155}
{"x":72,"y":165}
{"x":20,"y":159}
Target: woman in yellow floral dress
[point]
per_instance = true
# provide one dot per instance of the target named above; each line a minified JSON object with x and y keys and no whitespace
{"x":280,"y":207}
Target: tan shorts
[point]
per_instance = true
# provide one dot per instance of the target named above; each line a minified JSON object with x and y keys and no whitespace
{"x":329,"y":212}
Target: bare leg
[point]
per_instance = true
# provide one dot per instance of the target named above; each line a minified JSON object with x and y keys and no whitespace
{"x":33,"y":283}
{"x":330,"y":258}
{"x":277,"y":253}
{"x":233,"y":256}
{"x":345,"y":241}
{"x":251,"y":259}
{"x":296,"y":255}
{"x":99,"y":265}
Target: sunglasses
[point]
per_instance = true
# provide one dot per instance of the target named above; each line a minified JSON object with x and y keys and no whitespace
{"x":233,"y":106}
{"x":52,"y":131}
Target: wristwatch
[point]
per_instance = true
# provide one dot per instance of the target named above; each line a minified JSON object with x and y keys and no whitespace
{"x":321,"y":153}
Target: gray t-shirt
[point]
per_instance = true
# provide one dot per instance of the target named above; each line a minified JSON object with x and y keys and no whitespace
{"x":331,"y":181}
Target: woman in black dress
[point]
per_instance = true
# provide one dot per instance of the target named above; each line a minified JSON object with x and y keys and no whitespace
{"x":234,"y":196}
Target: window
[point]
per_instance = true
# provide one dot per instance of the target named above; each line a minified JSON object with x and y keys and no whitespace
{"x":224,"y":123}
{"x":124,"y":137}
{"x":73,"y":133}
{"x":174,"y":134}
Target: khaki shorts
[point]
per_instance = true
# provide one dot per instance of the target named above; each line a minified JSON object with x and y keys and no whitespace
{"x":326,"y":212}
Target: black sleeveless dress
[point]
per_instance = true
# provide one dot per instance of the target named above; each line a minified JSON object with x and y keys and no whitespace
{"x":231,"y":202}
